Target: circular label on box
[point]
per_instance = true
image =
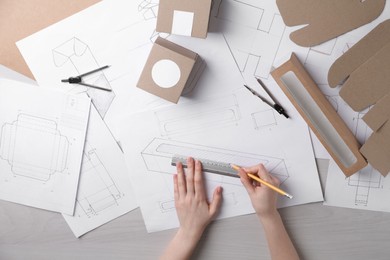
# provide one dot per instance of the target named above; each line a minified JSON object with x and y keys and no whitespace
{"x":166,"y":73}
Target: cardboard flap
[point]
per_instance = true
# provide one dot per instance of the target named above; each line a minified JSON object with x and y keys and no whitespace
{"x":370,"y":82}
{"x":379,"y":114}
{"x":177,"y":48}
{"x":359,"y":54}
{"x":19,"y":19}
{"x":326,"y":19}
{"x":377,"y":149}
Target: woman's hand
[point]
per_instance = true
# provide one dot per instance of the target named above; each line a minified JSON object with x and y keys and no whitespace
{"x":263,"y":198}
{"x":193,"y":210}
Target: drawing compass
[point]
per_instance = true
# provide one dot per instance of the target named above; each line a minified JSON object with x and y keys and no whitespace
{"x":79,"y":79}
{"x":275,"y":105}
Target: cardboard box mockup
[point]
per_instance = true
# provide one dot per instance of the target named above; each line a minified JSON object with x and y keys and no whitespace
{"x":170,"y":70}
{"x":326,"y":19}
{"x":320,"y":115}
{"x":184,"y":17}
{"x":364,"y":74}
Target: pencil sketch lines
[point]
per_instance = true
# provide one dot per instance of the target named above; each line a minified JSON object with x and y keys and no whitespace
{"x":364,"y":181}
{"x":148,"y":8}
{"x":262,"y":28}
{"x":326,"y":48}
{"x":333,"y":100}
{"x":75,"y":57}
{"x":159,"y":152}
{"x":97,"y":190}
{"x":263,"y":119}
{"x":34,"y":147}
{"x":367,"y":178}
{"x":199,"y":117}
{"x":167,"y":205}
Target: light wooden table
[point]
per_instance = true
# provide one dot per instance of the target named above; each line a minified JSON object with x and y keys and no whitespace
{"x":319,"y":232}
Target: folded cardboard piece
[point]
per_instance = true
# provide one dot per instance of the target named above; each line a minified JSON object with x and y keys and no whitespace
{"x":365,"y":69}
{"x":328,"y":19}
{"x":377,"y":147}
{"x":320,"y":115}
{"x":170,"y":70}
{"x":184,"y":17}
{"x":19,"y":19}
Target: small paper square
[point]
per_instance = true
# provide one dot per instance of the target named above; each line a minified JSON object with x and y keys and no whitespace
{"x":182,"y":23}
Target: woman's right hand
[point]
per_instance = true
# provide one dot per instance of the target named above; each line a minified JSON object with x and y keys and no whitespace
{"x":263,"y":198}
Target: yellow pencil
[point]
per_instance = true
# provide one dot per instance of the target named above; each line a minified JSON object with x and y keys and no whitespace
{"x":237,"y":168}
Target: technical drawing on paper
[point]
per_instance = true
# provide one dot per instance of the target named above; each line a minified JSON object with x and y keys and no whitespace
{"x":367,"y":178}
{"x":76,"y":57}
{"x":196,"y":117}
{"x":262,"y":28}
{"x":159,"y":152}
{"x":148,"y":8}
{"x":264,"y":118}
{"x":257,"y":36}
{"x":169,"y":205}
{"x":364,"y":181}
{"x":97,"y":189}
{"x":34,"y":147}
{"x":329,"y":48}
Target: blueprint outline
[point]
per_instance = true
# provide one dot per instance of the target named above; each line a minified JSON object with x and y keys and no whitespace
{"x":20,"y":141}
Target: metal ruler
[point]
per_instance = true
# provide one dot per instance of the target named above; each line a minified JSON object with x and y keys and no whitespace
{"x":208,"y":166}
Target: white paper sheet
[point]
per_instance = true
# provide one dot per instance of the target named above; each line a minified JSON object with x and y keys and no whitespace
{"x":367,"y":189}
{"x":104,"y":191}
{"x":117,"y":33}
{"x":41,"y":145}
{"x":235,"y":128}
{"x":257,"y":42}
{"x":123,"y":40}
{"x":236,"y":123}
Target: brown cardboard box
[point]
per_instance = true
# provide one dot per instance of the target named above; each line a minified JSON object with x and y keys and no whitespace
{"x":170,"y":70}
{"x":365,"y":69}
{"x":184,"y":17}
{"x":19,"y":19}
{"x":320,"y":115}
{"x":326,"y":19}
